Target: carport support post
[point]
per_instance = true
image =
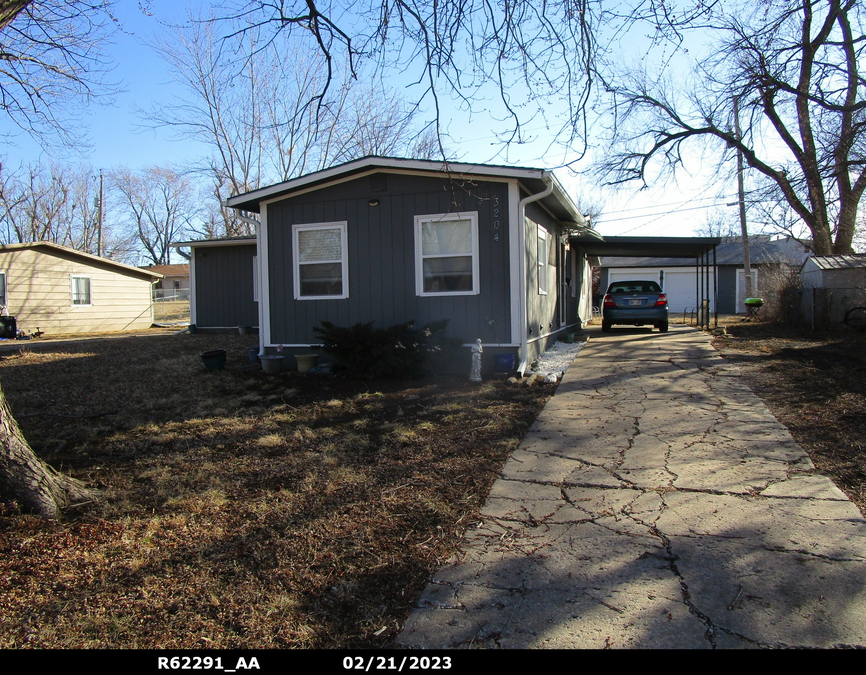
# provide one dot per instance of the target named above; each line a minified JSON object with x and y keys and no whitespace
{"x":715,"y":291}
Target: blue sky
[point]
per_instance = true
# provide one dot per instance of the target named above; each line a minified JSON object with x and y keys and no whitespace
{"x":119,"y":136}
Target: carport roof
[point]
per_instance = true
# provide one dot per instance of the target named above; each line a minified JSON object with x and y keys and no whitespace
{"x":667,"y":247}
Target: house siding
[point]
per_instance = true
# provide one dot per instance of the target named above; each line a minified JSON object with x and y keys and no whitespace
{"x":381,"y":257}
{"x":224,"y":286}
{"x":727,"y":290}
{"x":542,"y":310}
{"x":38,"y":294}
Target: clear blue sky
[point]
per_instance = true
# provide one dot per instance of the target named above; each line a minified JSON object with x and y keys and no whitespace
{"x":119,"y":136}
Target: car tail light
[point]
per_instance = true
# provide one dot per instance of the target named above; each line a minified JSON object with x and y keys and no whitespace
{"x":608,"y":301}
{"x":663,"y":300}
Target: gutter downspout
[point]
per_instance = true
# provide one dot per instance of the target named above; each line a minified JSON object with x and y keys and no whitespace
{"x":524,"y":300}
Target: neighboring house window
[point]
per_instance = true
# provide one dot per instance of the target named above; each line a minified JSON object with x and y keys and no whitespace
{"x":446,"y":254}
{"x":320,"y":261}
{"x":81,"y":291}
{"x":543,"y":238}
{"x":177,"y":284}
{"x":3,"y":290}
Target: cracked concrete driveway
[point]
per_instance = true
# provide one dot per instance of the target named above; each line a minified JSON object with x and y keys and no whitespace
{"x":655,"y":502}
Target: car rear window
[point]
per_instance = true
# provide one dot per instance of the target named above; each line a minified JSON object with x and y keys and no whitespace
{"x":635,"y":287}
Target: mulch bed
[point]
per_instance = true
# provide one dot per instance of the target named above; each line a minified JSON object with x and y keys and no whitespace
{"x":238,"y":509}
{"x":815,"y":384}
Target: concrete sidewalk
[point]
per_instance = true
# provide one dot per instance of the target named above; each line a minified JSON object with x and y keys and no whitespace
{"x":655,"y":502}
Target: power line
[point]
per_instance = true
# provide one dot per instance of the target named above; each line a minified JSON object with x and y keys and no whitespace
{"x":603,"y":221}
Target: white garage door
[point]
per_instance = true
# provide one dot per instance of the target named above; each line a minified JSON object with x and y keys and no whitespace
{"x":677,"y":282}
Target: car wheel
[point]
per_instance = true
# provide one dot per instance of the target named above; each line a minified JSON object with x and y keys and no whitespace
{"x":663,"y":327}
{"x":605,"y":326}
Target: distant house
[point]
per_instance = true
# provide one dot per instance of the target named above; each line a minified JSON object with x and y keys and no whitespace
{"x":395,"y":240}
{"x":174,"y":284}
{"x":677,"y":276}
{"x":59,"y":290}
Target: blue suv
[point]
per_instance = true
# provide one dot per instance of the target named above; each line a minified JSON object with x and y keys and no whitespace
{"x":635,"y":303}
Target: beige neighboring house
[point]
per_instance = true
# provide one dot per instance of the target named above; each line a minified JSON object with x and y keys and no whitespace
{"x":59,"y":290}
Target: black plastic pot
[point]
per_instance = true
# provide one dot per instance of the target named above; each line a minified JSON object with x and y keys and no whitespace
{"x":214,"y":359}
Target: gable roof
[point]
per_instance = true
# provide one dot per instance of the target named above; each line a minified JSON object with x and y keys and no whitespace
{"x":179,"y":270}
{"x":50,"y":248}
{"x":839,"y":262}
{"x":534,"y":180}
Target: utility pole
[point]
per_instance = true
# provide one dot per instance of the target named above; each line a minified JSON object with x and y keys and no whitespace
{"x":101,"y":215}
{"x":747,"y":266}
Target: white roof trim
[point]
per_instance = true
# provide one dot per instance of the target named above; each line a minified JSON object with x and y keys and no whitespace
{"x":387,"y":163}
{"x":216,"y":242}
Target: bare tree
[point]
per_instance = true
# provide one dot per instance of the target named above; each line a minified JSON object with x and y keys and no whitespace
{"x":159,"y":207}
{"x":794,"y":70}
{"x":51,"y":63}
{"x":58,"y":203}
{"x":511,"y":58}
{"x":249,"y":99}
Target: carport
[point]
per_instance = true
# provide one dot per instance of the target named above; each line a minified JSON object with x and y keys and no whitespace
{"x":701,"y":249}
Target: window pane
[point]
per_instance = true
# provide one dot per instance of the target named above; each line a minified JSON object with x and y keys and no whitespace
{"x":447,"y":274}
{"x":80,"y":291}
{"x":446,"y":237}
{"x":321,"y":279}
{"x":320,"y":244}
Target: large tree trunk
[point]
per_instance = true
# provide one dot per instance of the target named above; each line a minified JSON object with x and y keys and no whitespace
{"x":29,"y":480}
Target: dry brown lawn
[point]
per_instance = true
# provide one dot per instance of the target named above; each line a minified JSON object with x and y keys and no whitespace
{"x":239,"y":509}
{"x":815,"y":384}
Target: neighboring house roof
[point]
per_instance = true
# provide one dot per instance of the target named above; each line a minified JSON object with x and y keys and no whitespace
{"x":761,"y":252}
{"x":534,"y":180}
{"x":838,"y":262}
{"x":181,"y":270}
{"x":51,"y":248}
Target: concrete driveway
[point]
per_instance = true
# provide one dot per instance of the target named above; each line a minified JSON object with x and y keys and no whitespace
{"x":655,"y":502}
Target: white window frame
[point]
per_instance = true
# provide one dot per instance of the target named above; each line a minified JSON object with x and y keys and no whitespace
{"x":344,"y":259}
{"x":542,"y":262}
{"x":472,"y":217}
{"x":72,"y":278}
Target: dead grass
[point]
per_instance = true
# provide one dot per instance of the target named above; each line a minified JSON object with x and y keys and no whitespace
{"x":815,"y":384}
{"x":239,"y":510}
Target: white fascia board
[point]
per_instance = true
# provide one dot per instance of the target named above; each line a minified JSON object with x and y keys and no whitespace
{"x":563,"y":198}
{"x":205,"y":243}
{"x":378,"y":165}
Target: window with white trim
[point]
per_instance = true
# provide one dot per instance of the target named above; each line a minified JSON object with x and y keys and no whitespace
{"x":80,"y":290}
{"x":446,"y":254}
{"x":543,"y":254}
{"x":320,"y":261}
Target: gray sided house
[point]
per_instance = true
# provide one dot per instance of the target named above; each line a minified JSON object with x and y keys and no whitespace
{"x":223,"y":282}
{"x":395,"y":240}
{"x":677,"y":276}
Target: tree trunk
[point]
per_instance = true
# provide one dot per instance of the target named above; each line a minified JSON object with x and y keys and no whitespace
{"x":27,"y":479}
{"x":9,"y":9}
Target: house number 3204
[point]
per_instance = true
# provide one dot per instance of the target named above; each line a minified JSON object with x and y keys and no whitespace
{"x":496,"y":222}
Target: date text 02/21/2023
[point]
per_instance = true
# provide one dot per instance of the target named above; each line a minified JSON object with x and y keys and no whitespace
{"x":397,"y":663}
